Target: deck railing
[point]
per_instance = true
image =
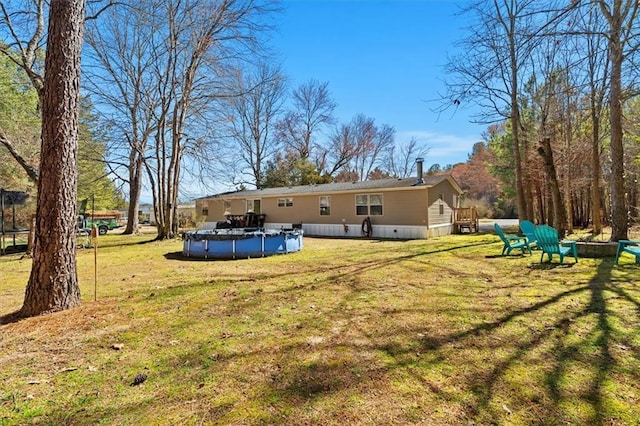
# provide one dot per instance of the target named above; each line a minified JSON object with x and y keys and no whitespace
{"x":465,"y":219}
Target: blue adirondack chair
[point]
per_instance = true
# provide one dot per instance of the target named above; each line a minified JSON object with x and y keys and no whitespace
{"x":628,"y":246}
{"x":550,"y":244}
{"x":527,"y":227}
{"x":511,"y":241}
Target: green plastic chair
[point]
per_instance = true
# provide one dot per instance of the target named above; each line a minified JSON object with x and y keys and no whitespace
{"x":628,"y":246}
{"x":527,"y":227}
{"x":550,"y":244}
{"x":511,"y":241}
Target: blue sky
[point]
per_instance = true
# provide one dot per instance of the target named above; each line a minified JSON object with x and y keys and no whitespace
{"x":384,"y":59}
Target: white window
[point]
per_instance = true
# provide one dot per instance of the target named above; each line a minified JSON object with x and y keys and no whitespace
{"x":441,"y":206}
{"x":285,"y":202}
{"x":375,"y":204}
{"x":325,"y":205}
{"x":226,"y":206}
{"x":369,"y":205}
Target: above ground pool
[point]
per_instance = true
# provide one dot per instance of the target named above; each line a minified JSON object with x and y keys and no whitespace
{"x":238,"y":243}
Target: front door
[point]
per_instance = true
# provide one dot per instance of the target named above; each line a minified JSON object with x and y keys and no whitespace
{"x":253,"y":206}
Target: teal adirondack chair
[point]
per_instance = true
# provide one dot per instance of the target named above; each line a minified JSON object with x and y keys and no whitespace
{"x":527,"y":227}
{"x":628,"y":246}
{"x":549,"y":243}
{"x":511,"y":241}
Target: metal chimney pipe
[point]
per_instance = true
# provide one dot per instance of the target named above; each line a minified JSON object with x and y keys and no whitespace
{"x":419,"y":162}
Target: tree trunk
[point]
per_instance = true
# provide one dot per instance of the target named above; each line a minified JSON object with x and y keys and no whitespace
{"x":559,"y":213}
{"x":515,"y":125}
{"x":53,"y":283}
{"x":619,"y":225}
{"x":135,"y":187}
{"x":618,"y":18}
{"x":540,"y":202}
{"x":568,"y":190}
{"x":520,"y":193}
{"x":526,"y":177}
{"x":596,"y":206}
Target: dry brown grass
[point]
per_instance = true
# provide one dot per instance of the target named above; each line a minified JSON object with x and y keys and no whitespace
{"x":344,"y":332}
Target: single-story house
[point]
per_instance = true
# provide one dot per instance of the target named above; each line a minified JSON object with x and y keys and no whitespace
{"x":186,"y":214}
{"x":411,"y":208}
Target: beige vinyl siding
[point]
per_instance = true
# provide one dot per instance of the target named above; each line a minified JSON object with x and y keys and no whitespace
{"x":406,"y":207}
{"x":216,"y":210}
{"x":238,"y":206}
{"x":414,"y":207}
{"x":403,"y":207}
{"x":449,"y":198}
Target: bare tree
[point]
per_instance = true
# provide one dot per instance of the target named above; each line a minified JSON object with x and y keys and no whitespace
{"x":597,"y":66}
{"x":400,"y":160}
{"x":357,"y":148}
{"x":119,"y":76}
{"x":623,"y":37}
{"x":493,"y":66}
{"x":549,"y":90}
{"x":53,"y":283}
{"x":372,"y":143}
{"x":584,"y":61}
{"x":253,"y":115}
{"x":341,"y":150}
{"x":191,"y":49}
{"x":202,"y":38}
{"x":312,"y":109}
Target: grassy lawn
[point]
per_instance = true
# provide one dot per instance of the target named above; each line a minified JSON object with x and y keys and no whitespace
{"x":440,"y":331}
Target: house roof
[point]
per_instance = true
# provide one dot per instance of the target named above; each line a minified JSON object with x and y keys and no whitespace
{"x":334,"y":187}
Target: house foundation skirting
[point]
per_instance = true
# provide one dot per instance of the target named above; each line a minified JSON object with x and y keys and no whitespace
{"x":354,"y":230}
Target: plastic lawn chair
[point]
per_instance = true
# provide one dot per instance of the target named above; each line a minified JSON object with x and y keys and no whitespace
{"x":527,"y":227}
{"x":628,"y":246}
{"x":550,"y":244}
{"x":511,"y":241}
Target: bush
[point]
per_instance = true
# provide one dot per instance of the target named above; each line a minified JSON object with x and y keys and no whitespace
{"x":482,"y":206}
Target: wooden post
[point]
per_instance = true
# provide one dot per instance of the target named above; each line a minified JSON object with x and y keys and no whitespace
{"x":32,"y":234}
{"x":94,"y":240}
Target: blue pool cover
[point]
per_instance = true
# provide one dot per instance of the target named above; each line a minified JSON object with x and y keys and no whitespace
{"x":240,"y":243}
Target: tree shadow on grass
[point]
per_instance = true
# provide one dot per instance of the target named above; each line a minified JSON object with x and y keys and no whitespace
{"x":119,"y":243}
{"x":177,"y":255}
{"x":566,"y":350}
{"x":547,"y":266}
{"x":558,"y":333}
{"x":10,"y":318}
{"x":555,"y":339}
{"x":505,"y":256}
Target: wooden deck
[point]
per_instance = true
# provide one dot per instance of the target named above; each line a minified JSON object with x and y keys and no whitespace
{"x":465,"y":220}
{"x":249,"y":220}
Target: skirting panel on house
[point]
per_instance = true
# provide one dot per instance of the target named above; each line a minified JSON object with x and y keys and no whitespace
{"x":354,"y":230}
{"x":440,"y":230}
